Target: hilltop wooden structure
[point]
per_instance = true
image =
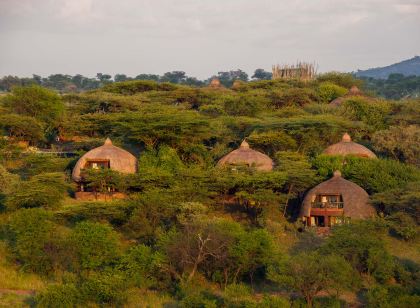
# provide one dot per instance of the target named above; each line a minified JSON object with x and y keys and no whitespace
{"x":335,"y":201}
{"x":347,"y":147}
{"x":106,"y":156}
{"x":245,"y":156}
{"x":302,"y":71}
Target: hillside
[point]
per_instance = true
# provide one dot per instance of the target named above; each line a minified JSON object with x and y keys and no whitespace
{"x":407,"y":68}
{"x":156,"y":194}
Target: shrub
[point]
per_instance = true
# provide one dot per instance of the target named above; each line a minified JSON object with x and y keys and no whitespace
{"x":373,"y":114}
{"x":104,"y":288}
{"x":32,"y":232}
{"x":66,"y":296}
{"x":345,"y":80}
{"x":138,"y":86}
{"x":141,"y":266}
{"x":403,"y":225}
{"x":212,"y":110}
{"x":329,"y":91}
{"x":360,"y":244}
{"x":95,"y":245}
{"x":242,"y":106}
{"x":293,"y":97}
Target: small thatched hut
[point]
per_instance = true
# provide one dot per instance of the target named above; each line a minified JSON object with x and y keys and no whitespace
{"x":334,"y":202}
{"x":106,"y":156}
{"x":215,"y":84}
{"x":348,"y":147}
{"x":245,"y":156}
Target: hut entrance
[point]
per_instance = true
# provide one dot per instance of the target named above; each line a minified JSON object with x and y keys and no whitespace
{"x":318,"y":221}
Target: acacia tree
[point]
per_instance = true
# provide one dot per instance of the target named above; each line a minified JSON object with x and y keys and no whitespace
{"x":310,"y":273}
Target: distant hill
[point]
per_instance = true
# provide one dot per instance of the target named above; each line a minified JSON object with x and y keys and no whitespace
{"x":407,"y":68}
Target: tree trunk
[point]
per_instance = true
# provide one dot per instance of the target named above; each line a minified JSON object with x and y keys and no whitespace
{"x":287,"y":200}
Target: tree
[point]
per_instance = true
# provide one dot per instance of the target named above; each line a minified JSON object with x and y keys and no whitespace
{"x":95,"y":245}
{"x":104,"y":78}
{"x":121,"y":77}
{"x":300,"y":175}
{"x":32,"y":234}
{"x":310,"y":273}
{"x":43,"y":190}
{"x":272,"y":141}
{"x":104,"y":181}
{"x":329,"y":91}
{"x":227,"y":78}
{"x":21,"y":127}
{"x":399,"y":142}
{"x":174,"y":77}
{"x":141,"y":266}
{"x":261,"y":74}
{"x":361,"y":245}
{"x":36,"y":102}
{"x":403,"y":199}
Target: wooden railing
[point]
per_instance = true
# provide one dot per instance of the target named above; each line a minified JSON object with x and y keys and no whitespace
{"x":328,"y":205}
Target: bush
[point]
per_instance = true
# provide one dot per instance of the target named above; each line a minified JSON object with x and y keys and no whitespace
{"x":212,"y":110}
{"x":66,"y":296}
{"x":373,"y":114}
{"x":138,"y":86}
{"x":141,"y":266}
{"x":95,"y":245}
{"x":242,"y":106}
{"x":360,"y":244}
{"x":403,"y":225}
{"x":329,"y":91}
{"x":345,"y":80}
{"x":105,"y":288}
{"x":293,"y":97}
{"x":32,"y":232}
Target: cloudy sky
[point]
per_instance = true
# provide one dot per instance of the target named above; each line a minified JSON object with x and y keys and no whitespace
{"x":202,"y":37}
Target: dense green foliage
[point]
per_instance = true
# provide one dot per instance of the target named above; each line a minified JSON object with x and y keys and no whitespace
{"x":190,"y":231}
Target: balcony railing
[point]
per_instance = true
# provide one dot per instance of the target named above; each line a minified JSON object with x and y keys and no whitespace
{"x":328,"y":205}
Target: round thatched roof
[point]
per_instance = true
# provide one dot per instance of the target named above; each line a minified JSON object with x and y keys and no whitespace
{"x":119,"y":159}
{"x":348,"y":147}
{"x":354,"y":91}
{"x":215,"y":83}
{"x":356,"y":200}
{"x":248,"y":157}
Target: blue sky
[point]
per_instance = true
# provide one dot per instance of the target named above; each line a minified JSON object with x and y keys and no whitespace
{"x":203,"y":37}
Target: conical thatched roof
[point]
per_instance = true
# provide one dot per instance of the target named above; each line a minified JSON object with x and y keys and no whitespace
{"x":348,"y":147}
{"x":215,"y":83}
{"x":119,"y":159}
{"x":354,"y":91}
{"x":355,"y":199}
{"x":248,"y":157}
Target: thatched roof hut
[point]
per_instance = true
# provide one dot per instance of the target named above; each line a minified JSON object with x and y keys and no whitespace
{"x":337,"y":197}
{"x":215,"y":84}
{"x":354,"y":92}
{"x":348,"y":147}
{"x":245,"y":156}
{"x":106,"y":156}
